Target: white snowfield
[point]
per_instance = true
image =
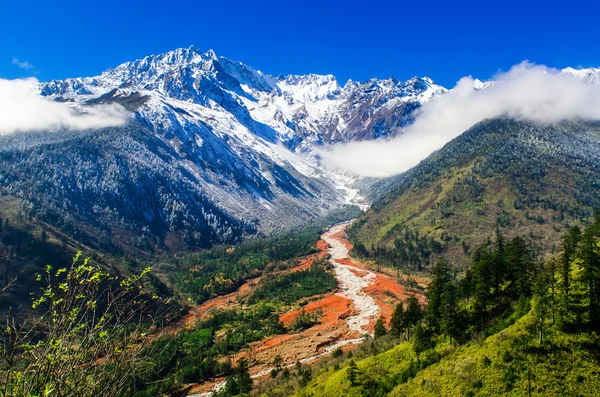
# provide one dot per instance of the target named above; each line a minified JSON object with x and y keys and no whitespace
{"x":350,"y":286}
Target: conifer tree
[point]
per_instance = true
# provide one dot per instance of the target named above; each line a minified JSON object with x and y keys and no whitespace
{"x":397,"y":322}
{"x":413,"y":314}
{"x":440,"y":281}
{"x":498,"y":263}
{"x":453,"y":321}
{"x":244,"y":380}
{"x":422,"y":340}
{"x":590,"y":259}
{"x":542,"y":299}
{"x":380,"y":329}
{"x":519,"y":268}
{"x":569,"y":248}
{"x":353,"y":373}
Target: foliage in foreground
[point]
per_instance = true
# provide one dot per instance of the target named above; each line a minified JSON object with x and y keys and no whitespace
{"x":86,"y":340}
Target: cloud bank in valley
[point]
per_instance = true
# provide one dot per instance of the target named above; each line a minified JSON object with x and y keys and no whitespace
{"x":527,"y":92}
{"x":21,"y":109}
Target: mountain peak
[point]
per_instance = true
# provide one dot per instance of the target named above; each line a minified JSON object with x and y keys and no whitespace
{"x":174,"y":58}
{"x":193,"y":48}
{"x":210,"y":54}
{"x":350,"y":85}
{"x":588,"y":75}
{"x":310,"y":87}
{"x":480,"y":85}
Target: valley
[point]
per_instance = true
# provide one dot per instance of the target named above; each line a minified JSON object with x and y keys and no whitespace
{"x":346,"y":315}
{"x":185,"y":225}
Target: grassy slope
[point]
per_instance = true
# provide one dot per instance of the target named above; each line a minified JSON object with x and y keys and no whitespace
{"x":383,"y":367}
{"x":529,"y":188}
{"x":566,"y":365}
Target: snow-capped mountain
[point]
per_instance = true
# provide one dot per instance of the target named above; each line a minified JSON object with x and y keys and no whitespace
{"x":480,"y":85}
{"x":290,"y":109}
{"x":589,"y":75}
{"x":215,"y":149}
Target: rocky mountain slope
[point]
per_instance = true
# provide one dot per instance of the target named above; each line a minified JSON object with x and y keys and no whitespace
{"x":214,"y":150}
{"x":228,"y":96}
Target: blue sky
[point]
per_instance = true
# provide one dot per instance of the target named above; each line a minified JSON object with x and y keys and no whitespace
{"x":444,"y":40}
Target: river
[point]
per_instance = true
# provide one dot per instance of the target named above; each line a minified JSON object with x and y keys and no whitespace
{"x":351,"y":284}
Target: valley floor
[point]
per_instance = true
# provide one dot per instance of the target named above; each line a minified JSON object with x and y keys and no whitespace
{"x":346,"y":316}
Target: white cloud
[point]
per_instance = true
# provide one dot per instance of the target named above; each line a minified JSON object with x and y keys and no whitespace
{"x":22,"y":65}
{"x":21,"y":109}
{"x":527,"y":91}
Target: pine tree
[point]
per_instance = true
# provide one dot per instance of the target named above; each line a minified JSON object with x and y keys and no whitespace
{"x":422,"y":340}
{"x":453,"y":321}
{"x":541,"y":301}
{"x":380,"y":329}
{"x":519,"y":268}
{"x":440,"y":280}
{"x":277,"y":362}
{"x":244,"y":380}
{"x":481,"y":276}
{"x":590,"y":257}
{"x":551,"y":269}
{"x":413,"y":314}
{"x":397,"y":322}
{"x":498,"y":263}
{"x":231,"y":387}
{"x":569,"y":249}
{"x":353,"y":373}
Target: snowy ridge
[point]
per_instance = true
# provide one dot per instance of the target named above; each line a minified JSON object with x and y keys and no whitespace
{"x":589,"y":75}
{"x":247,"y":137}
{"x":242,"y":140}
{"x":313,"y":105}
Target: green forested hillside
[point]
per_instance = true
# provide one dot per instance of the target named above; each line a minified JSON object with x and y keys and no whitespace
{"x":510,"y":326}
{"x":494,"y":366}
{"x":26,"y":247}
{"x":525,"y":179}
